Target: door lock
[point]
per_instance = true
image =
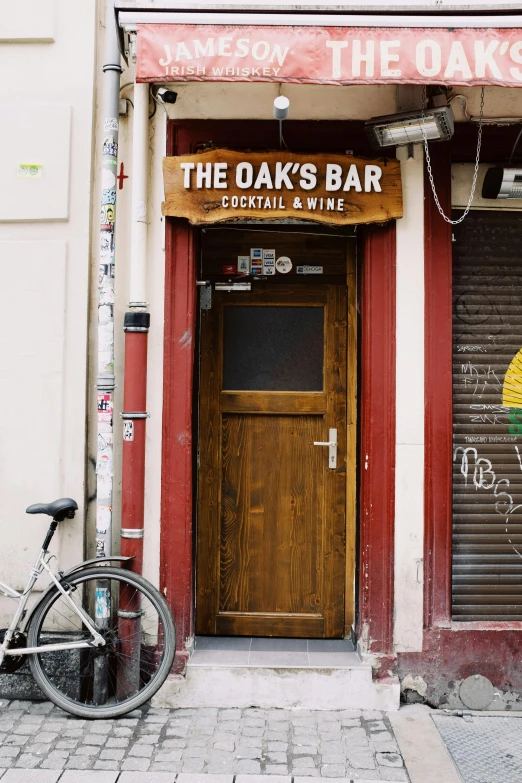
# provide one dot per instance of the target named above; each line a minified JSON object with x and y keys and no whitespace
{"x":332,"y":447}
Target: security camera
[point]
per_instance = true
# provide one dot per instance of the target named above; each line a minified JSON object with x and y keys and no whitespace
{"x":281,"y":107}
{"x":166,"y":96}
{"x":502,"y":182}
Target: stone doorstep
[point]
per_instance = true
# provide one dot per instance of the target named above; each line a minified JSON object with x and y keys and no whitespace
{"x":279,"y":688}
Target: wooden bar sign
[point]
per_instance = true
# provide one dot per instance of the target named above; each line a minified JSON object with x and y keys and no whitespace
{"x":225,"y":185}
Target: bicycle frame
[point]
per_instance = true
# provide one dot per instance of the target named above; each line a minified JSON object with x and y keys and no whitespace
{"x":22,"y":598}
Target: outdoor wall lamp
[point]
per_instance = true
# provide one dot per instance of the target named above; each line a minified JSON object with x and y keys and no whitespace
{"x":281,"y":109}
{"x":504,"y":181}
{"x":411,"y":127}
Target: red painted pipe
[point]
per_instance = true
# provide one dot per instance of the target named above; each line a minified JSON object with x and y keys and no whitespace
{"x":134,"y":423}
{"x":136,"y":327}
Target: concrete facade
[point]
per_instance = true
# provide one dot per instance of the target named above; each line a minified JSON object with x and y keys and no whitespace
{"x":45,"y":248}
{"x":49,"y":266}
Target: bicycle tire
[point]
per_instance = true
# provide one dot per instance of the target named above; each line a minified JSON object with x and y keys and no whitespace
{"x":54,"y":672}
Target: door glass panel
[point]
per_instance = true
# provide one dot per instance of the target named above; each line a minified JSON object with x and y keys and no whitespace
{"x":273,"y":348}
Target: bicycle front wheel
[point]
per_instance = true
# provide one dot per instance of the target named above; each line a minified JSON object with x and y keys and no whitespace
{"x":140,"y":641}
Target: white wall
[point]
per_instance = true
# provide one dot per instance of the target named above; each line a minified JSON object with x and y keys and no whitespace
{"x":255,"y":101}
{"x":499,"y":102}
{"x":44,"y":268}
{"x":409,"y":468}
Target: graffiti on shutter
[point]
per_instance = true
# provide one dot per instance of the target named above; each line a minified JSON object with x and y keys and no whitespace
{"x":487,"y":417}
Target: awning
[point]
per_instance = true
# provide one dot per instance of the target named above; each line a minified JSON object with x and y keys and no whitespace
{"x":329,"y":53}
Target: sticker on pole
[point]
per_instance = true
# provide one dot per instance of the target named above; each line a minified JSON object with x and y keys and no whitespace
{"x":102,"y":604}
{"x":128,"y":430}
{"x":283,"y":265}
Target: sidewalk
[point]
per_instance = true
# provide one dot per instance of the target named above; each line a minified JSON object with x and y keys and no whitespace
{"x":41,"y":744}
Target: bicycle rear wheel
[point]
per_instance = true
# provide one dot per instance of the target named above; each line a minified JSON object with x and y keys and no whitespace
{"x":136,"y":623}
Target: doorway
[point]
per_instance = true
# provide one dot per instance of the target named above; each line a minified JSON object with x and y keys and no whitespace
{"x":275,"y":520}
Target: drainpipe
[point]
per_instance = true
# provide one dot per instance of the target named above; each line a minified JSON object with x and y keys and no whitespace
{"x":134,"y":415}
{"x":136,"y":327}
{"x":105,"y":373}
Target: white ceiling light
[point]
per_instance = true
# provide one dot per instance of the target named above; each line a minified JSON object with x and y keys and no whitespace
{"x":281,"y":107}
{"x":395,"y":130}
{"x":281,"y":110}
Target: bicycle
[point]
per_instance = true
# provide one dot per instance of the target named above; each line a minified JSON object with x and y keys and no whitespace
{"x":100,"y":640}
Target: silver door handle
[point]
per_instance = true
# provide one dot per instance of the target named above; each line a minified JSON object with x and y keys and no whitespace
{"x":332,"y":447}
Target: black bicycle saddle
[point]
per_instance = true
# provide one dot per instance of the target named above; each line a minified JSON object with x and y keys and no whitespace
{"x":58,"y":509}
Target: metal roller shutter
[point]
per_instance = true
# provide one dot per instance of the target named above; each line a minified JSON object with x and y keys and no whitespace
{"x":487,"y":417}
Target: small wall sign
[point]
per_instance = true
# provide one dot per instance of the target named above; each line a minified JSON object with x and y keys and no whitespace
{"x":307,"y":269}
{"x":256,"y":260}
{"x":283,"y":265}
{"x":243,"y":265}
{"x":224,"y":185}
{"x":269,"y":262}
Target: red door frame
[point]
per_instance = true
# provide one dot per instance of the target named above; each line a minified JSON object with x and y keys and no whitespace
{"x":377,"y":447}
{"x":377,"y":387}
{"x":438,"y":368}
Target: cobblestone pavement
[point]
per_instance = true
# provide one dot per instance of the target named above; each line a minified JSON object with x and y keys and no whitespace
{"x":300,"y":744}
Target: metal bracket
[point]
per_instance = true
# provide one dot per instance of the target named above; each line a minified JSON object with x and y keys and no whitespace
{"x":233,"y":286}
{"x":332,"y":447}
{"x":205,"y":294}
{"x":126,"y":615}
{"x":131,"y":52}
{"x":132,"y":532}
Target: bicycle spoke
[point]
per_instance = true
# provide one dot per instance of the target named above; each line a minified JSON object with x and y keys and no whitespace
{"x":127,"y":668}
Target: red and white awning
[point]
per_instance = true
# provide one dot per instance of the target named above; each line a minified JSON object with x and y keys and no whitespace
{"x":306,"y":54}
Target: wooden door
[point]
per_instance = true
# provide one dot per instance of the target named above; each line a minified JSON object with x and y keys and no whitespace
{"x":271,"y":512}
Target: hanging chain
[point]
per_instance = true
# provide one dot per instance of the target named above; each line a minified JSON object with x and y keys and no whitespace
{"x":475,"y":173}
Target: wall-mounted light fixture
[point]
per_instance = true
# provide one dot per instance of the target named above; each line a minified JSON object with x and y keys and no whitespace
{"x":502,"y":183}
{"x":281,"y":110}
{"x":410,"y":127}
{"x":281,"y":107}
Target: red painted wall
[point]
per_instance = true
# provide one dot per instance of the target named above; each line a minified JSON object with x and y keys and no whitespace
{"x":452,"y":654}
{"x":176,"y":544}
{"x":438,"y":393}
{"x":377,"y":444}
